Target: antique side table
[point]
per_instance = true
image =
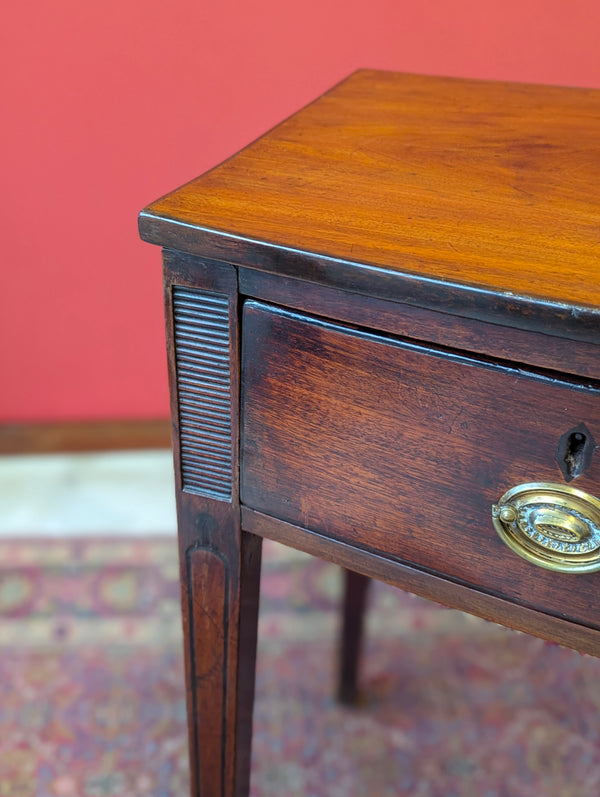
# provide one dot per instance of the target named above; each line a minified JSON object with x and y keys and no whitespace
{"x":383,"y":333}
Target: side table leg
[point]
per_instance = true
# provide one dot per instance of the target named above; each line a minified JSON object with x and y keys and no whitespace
{"x":353,"y":615}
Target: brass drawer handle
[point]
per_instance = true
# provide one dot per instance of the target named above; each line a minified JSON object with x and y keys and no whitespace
{"x":551,"y":525}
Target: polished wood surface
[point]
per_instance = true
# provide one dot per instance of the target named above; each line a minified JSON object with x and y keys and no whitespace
{"x":471,"y":183}
{"x":380,"y":317}
{"x":505,"y":343}
{"x":402,"y":450}
{"x":428,"y":585}
{"x":220,"y":564}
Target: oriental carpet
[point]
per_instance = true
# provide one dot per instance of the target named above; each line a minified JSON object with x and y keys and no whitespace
{"x":91,"y":687}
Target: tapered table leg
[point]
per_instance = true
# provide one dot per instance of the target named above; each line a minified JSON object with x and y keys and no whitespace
{"x":353,"y":616}
{"x":220,"y":565}
{"x":220,"y":604}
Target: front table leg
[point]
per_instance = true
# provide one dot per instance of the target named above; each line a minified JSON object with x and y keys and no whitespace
{"x":220,"y":565}
{"x":220,"y":607}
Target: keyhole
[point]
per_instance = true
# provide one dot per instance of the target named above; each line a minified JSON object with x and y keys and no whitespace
{"x":575,"y":450}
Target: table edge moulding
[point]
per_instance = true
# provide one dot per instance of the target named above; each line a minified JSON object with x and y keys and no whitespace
{"x":382,"y":328}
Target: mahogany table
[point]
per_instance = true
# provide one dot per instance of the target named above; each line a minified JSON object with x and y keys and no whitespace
{"x":383,"y":335}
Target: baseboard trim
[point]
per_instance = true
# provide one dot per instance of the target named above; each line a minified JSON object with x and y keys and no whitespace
{"x":71,"y":436}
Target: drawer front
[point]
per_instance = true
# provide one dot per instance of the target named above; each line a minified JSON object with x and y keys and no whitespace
{"x":402,"y":451}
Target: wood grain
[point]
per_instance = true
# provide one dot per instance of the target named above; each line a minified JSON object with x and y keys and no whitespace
{"x":427,"y":585}
{"x":208,"y":593}
{"x":453,"y":332}
{"x":478,"y":195}
{"x":402,"y":450}
{"x":444,"y":235}
{"x":220,"y":566}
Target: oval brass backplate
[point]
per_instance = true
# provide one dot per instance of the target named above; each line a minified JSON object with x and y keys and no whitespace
{"x":551,"y":525}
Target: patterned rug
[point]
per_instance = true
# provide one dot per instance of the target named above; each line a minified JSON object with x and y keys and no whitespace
{"x":91,"y":687}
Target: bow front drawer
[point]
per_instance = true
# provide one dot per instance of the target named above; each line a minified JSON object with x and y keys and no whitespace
{"x":404,"y":450}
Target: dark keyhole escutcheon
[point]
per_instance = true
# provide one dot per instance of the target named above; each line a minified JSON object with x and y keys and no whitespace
{"x":575,"y":450}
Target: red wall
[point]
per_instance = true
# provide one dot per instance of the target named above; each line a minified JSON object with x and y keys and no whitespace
{"x":107,"y":105}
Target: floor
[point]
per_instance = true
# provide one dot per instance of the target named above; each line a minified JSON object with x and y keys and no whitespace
{"x":115,"y":493}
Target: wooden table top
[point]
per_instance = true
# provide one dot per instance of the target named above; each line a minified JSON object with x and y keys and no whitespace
{"x":453,"y":182}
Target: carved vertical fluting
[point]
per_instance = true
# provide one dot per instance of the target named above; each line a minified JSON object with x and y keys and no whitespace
{"x":203,"y":367}
{"x":220,"y":566}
